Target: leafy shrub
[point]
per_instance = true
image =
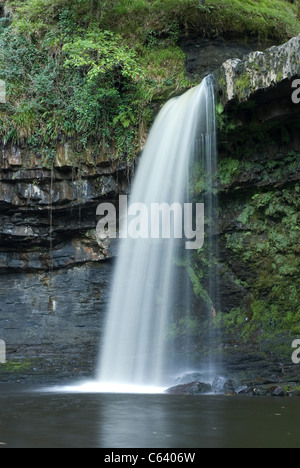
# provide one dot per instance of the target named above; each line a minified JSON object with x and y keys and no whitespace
{"x":89,"y":70}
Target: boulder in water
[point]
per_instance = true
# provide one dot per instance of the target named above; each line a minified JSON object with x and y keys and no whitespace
{"x":218,"y":384}
{"x":279,"y":392}
{"x":192,"y":388}
{"x":230,"y":387}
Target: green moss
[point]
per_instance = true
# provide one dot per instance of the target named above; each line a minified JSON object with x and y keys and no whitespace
{"x":242,"y":86}
{"x":279,"y":76}
{"x":184,"y":327}
{"x":16,"y":367}
{"x":270,"y":249}
{"x":224,"y":123}
{"x":266,"y":18}
{"x":228,"y":168}
{"x":196,"y":276}
{"x":233,"y":321}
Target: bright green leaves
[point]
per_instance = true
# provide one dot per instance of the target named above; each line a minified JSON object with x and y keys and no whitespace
{"x":84,"y":89}
{"x":100,"y":53}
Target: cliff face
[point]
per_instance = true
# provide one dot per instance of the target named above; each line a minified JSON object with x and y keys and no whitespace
{"x":55,"y":273}
{"x":259,"y":173}
{"x":48,"y":211}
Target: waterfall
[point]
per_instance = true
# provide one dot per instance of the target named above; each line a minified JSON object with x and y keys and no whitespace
{"x":149,"y":287}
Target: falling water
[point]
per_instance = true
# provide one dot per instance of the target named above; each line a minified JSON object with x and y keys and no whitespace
{"x":148,"y":286}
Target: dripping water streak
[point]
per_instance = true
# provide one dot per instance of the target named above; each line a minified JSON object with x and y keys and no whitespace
{"x":51,"y":221}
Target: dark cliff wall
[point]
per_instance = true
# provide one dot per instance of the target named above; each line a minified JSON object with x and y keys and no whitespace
{"x":54,"y":272}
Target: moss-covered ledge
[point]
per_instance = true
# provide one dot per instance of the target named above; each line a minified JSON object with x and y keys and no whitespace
{"x":238,"y":80}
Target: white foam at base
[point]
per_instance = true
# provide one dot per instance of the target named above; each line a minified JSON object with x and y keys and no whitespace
{"x":98,"y":387}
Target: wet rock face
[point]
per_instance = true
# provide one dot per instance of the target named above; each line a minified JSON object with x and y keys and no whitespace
{"x":52,"y":212}
{"x":55,"y":272}
{"x":205,"y":55}
{"x":55,"y":320}
{"x":33,"y":184}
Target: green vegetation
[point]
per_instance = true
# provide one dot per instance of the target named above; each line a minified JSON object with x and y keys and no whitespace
{"x":267,"y":171}
{"x":258,"y":170}
{"x":268,"y":244}
{"x":16,"y":367}
{"x":197,"y":274}
{"x":228,"y":168}
{"x":87,"y":72}
{"x":69,"y":79}
{"x":276,"y":19}
{"x":184,"y":327}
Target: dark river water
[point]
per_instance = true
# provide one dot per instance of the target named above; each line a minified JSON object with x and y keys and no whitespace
{"x":32,"y":418}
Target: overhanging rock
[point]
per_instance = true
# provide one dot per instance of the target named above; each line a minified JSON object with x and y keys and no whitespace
{"x":262,"y":81}
{"x":239,"y":79}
